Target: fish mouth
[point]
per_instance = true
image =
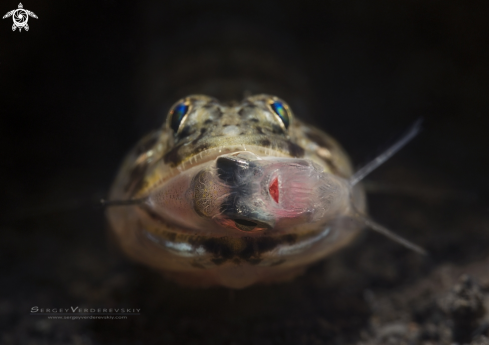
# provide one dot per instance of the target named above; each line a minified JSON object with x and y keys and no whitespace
{"x":250,"y":193}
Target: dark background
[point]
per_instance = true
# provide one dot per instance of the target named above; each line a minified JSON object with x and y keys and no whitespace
{"x":90,"y":78}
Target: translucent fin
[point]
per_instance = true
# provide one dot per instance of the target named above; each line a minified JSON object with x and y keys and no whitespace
{"x":367,"y":169}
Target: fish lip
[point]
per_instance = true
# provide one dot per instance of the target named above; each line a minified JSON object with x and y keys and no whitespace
{"x":181,"y":248}
{"x":198,"y":250}
{"x":206,"y":156}
{"x":212,"y":153}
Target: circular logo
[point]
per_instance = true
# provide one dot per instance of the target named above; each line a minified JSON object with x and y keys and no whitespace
{"x":20,"y":17}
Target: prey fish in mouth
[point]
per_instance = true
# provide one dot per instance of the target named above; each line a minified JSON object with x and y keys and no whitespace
{"x":237,"y":194}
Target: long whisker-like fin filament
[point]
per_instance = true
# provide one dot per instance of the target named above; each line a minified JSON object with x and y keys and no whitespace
{"x":367,"y":169}
{"x":391,"y":235}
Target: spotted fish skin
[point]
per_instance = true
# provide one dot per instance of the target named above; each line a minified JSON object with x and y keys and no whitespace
{"x":194,"y":222}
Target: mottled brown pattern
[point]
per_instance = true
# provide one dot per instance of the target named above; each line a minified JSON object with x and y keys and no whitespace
{"x":209,"y":133}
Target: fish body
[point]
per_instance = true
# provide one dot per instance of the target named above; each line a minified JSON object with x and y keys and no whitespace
{"x":234,"y":194}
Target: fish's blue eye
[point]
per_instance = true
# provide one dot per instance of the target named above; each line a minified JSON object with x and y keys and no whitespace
{"x":177,"y":114}
{"x":281,"y":112}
